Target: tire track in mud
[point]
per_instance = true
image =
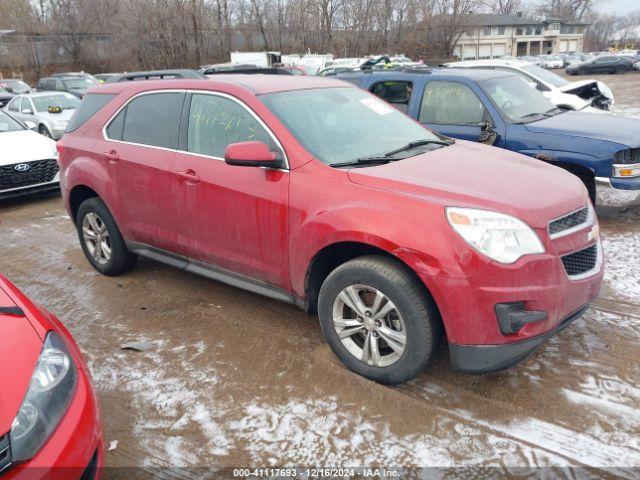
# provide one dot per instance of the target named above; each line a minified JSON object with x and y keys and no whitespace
{"x":577,"y":448}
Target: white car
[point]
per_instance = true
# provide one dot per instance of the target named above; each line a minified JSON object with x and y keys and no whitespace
{"x":50,"y":111}
{"x":28,"y":160}
{"x":584,"y":95}
{"x":636,"y":65}
{"x":552,"y":61}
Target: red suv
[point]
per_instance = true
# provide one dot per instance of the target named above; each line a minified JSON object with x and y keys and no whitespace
{"x":311,"y":191}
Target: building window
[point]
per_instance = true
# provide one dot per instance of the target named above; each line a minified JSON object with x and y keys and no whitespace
{"x":529,"y":30}
{"x":486,"y":31}
{"x":538,"y":30}
{"x":501,"y":30}
{"x":519,"y":31}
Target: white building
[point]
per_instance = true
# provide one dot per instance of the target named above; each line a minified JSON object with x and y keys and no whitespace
{"x":497,"y":36}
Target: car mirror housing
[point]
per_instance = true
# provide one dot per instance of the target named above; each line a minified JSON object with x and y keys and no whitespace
{"x":250,"y":154}
{"x":31,"y":125}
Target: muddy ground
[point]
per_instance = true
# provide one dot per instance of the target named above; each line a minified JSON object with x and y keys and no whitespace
{"x":234,"y":379}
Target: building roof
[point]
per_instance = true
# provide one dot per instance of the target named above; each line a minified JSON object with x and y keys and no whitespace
{"x":491,"y":19}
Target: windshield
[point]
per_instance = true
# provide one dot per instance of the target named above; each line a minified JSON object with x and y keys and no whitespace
{"x":545,"y":75}
{"x":78,"y":83}
{"x":8,"y":124}
{"x":517,"y":100}
{"x":16,"y":86}
{"x":341,"y":125}
{"x":65,"y":102}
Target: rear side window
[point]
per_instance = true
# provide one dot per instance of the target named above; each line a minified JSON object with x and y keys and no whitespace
{"x":395,"y":93}
{"x":151,"y":119}
{"x":91,"y":105}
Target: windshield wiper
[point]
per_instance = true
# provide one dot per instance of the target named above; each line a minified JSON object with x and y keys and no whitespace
{"x":363,"y":161}
{"x":418,"y":143}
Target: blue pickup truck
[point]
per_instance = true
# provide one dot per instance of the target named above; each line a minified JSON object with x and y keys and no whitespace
{"x":501,"y":109}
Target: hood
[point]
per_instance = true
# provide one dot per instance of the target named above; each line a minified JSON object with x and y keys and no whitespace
{"x":20,"y":347}
{"x":587,"y":89}
{"x":25,"y":146}
{"x":474,"y":175}
{"x":606,"y":127}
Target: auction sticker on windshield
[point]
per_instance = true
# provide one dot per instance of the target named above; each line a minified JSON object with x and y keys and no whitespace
{"x":377,"y":106}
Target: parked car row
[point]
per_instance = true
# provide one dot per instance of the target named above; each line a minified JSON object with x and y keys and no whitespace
{"x":405,"y":207}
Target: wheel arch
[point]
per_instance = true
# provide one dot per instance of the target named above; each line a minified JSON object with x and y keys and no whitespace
{"x":79,"y":194}
{"x":335,"y":254}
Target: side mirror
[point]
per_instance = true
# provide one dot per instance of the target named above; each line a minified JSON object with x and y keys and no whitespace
{"x":27,"y":111}
{"x":31,"y":125}
{"x":250,"y":154}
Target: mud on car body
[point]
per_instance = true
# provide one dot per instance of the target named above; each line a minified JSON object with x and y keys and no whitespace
{"x":502,"y":109}
{"x":234,"y":179}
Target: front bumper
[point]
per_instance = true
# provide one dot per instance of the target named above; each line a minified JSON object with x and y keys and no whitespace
{"x":75,"y":449}
{"x":607,"y":195}
{"x":30,"y":190}
{"x":480,"y":359}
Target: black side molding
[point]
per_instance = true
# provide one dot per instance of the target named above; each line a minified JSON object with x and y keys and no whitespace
{"x":12,"y":311}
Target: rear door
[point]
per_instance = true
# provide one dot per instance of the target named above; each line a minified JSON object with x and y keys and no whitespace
{"x":453,"y":109}
{"x":235,"y":218}
{"x":140,"y":152}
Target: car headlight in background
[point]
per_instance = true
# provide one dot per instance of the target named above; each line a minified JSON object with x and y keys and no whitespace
{"x":501,"y":237}
{"x":50,"y":392}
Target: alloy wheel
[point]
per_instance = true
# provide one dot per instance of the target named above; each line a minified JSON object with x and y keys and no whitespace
{"x":96,"y":238}
{"x":369,"y":325}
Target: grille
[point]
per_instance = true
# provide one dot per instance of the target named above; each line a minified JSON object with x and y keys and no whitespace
{"x":581,"y":261}
{"x":5,"y":452}
{"x":40,"y":171}
{"x":627,"y":157}
{"x":569,"y":221}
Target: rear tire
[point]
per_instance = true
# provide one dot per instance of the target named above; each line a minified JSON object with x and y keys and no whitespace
{"x":403,"y":326}
{"x":101,"y":240}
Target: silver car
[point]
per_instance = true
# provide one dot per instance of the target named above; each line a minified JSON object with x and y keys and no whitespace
{"x":49,"y":111}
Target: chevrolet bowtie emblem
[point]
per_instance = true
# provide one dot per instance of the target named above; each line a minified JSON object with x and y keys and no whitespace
{"x":593,"y":233}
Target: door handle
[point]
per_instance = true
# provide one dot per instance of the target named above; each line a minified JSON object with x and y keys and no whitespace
{"x":112,"y":156}
{"x":189,"y":176}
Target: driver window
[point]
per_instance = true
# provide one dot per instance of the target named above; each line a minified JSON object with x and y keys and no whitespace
{"x":26,"y":106}
{"x":59,"y":86}
{"x":215,"y":122}
{"x":450,"y":103}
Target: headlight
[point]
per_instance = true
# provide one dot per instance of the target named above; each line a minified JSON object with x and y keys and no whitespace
{"x":501,"y":237}
{"x":50,"y":392}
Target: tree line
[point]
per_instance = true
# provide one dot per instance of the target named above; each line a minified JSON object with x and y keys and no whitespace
{"x":143,"y":34}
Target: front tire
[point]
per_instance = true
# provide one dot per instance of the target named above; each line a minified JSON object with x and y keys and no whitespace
{"x":378,"y":319}
{"x":101,"y":240}
{"x":620,"y":71}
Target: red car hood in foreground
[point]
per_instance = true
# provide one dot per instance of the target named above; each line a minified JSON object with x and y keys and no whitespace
{"x":474,"y":175}
{"x":20,"y":347}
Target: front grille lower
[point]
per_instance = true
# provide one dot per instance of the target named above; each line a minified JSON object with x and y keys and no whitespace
{"x":569,"y":221}
{"x":580,"y":262}
{"x":39,"y":171}
{"x":5,"y":453}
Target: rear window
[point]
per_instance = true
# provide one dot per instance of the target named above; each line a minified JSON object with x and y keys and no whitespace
{"x":91,"y":105}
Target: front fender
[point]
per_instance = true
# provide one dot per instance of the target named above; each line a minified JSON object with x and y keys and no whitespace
{"x":599,"y":166}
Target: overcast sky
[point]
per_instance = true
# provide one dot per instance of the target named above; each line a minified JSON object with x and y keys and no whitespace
{"x":618,"y":7}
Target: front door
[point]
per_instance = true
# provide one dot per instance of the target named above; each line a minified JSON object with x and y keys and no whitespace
{"x":235,"y":218}
{"x":453,"y":109}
